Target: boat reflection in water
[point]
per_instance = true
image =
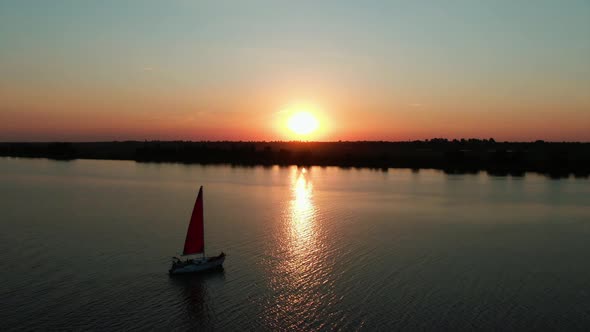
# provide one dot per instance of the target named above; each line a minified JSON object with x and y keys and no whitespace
{"x":301,"y":279}
{"x":194,"y":298}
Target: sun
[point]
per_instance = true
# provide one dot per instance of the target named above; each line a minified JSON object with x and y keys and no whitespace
{"x":302,"y":123}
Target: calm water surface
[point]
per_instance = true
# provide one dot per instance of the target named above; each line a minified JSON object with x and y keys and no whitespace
{"x":87,"y":245}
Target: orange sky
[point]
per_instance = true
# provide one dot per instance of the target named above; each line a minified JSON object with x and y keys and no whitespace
{"x":381,"y":71}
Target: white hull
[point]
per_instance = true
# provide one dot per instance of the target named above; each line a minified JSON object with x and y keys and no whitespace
{"x":198,"y":265}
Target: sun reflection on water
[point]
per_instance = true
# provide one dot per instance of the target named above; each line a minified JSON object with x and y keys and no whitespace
{"x":302,"y":213}
{"x":301,"y":279}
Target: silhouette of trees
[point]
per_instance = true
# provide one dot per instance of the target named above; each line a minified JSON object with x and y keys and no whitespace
{"x":465,"y":155}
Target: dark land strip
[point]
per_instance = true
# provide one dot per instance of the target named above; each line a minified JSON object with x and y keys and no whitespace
{"x":452,"y":156}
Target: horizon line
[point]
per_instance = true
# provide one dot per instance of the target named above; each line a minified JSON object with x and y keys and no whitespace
{"x":427,"y":140}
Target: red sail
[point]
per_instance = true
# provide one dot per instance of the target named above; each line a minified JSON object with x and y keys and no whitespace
{"x":195,"y":239}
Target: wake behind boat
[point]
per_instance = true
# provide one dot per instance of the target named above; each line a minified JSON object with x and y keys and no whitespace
{"x":195,"y":244}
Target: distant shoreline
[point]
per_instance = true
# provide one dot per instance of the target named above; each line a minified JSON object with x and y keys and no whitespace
{"x":452,"y":156}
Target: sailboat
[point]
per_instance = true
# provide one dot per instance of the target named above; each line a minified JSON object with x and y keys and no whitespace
{"x":195,"y":245}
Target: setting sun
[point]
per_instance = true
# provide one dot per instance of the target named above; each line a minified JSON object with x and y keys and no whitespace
{"x":302,"y":123}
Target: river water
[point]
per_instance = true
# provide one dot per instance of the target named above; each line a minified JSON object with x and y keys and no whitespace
{"x":86,"y":244}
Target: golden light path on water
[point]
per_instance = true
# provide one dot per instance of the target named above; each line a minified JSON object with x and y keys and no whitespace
{"x":302,"y":213}
{"x":302,"y":277}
